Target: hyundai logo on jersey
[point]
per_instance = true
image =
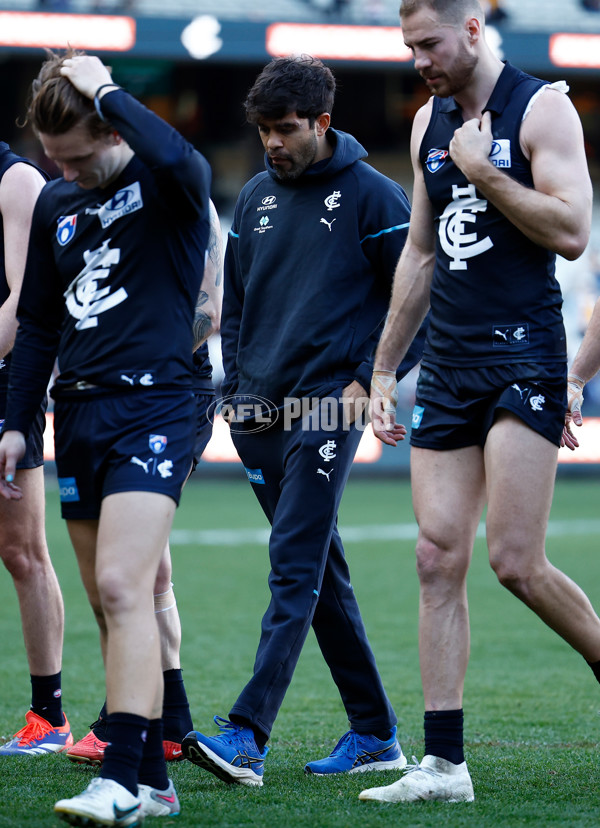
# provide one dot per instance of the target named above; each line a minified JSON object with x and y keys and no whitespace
{"x":500,"y":154}
{"x":125,"y":201}
{"x":436,"y":159}
{"x":65,"y":229}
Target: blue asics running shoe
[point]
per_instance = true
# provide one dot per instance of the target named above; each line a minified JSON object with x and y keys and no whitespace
{"x":232,"y":756}
{"x":358,"y":752}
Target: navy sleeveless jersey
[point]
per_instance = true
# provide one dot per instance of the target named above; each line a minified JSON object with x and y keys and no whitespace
{"x":113,"y":274}
{"x":494,"y":295}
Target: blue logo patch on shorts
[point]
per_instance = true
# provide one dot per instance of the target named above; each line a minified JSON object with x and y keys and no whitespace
{"x":157,"y":443}
{"x":255,"y":475}
{"x":69,"y":493}
{"x":417,"y":416}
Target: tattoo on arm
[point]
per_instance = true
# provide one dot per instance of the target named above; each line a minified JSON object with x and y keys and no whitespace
{"x":215,"y":255}
{"x":202,"y":322}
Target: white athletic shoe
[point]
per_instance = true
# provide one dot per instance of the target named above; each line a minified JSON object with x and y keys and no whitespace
{"x":104,"y":802}
{"x":155,"y":802}
{"x":433,"y":779}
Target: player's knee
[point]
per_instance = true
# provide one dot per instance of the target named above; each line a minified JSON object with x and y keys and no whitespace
{"x":437,"y":563}
{"x":512,"y":572}
{"x":24,"y":563}
{"x":115,"y":596}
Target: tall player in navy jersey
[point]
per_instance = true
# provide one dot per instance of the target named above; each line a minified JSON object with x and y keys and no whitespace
{"x":23,"y":547}
{"x":501,"y":186}
{"x":114,"y":266}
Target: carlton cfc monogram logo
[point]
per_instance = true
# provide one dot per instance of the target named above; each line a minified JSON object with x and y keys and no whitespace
{"x":327,"y":451}
{"x":460,"y":213}
{"x":331,"y":202}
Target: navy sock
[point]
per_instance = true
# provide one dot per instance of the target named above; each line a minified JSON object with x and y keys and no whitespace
{"x":382,"y":735}
{"x":46,"y":698}
{"x":99,"y":727}
{"x":153,"y":768}
{"x":123,"y":755}
{"x":177,"y":720}
{"x":444,"y":735}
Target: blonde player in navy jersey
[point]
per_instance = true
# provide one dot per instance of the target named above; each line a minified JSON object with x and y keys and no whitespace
{"x":501,"y":186}
{"x":114,"y":266}
{"x":177,"y":721}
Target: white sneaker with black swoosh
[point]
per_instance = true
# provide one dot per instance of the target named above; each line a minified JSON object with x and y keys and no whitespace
{"x":103,"y":803}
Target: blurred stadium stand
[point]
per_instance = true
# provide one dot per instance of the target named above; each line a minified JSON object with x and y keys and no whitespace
{"x":523,"y":15}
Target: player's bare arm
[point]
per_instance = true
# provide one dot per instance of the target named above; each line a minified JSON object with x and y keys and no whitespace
{"x":207,"y":317}
{"x":410,"y":298}
{"x":585,"y":367}
{"x":556,"y":214}
{"x":19,"y":190}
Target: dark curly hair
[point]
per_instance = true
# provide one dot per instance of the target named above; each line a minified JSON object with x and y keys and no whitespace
{"x":56,"y":106}
{"x":293,"y":84}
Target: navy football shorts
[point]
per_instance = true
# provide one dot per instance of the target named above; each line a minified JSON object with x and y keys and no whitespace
{"x":34,"y":446}
{"x":456,"y":407}
{"x":105,"y":444}
{"x":203,"y":425}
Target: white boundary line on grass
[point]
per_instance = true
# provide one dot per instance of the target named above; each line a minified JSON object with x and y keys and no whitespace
{"x":355,"y":534}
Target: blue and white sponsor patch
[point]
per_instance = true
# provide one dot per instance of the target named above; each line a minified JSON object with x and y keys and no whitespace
{"x":157,"y":442}
{"x":125,"y":201}
{"x":500,"y":153}
{"x":255,"y":475}
{"x":65,"y":229}
{"x":436,"y":159}
{"x":417,"y":416}
{"x":69,"y":493}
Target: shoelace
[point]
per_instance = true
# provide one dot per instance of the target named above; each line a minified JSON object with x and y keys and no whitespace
{"x":230,"y":731}
{"x":417,"y":767}
{"x":347,"y":744}
{"x":225,"y":725}
{"x":31,"y":732}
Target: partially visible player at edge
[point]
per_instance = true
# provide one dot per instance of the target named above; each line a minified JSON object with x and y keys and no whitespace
{"x":585,"y":367}
{"x":177,"y":720}
{"x":23,"y":546}
{"x":500,"y":186}
{"x":114,"y":267}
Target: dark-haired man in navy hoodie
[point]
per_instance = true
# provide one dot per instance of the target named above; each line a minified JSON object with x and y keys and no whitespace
{"x":308,"y":270}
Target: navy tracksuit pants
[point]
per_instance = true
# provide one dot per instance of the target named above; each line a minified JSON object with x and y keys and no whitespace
{"x":298,"y":476}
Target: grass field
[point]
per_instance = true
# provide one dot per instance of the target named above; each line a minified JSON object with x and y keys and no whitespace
{"x":531,"y":704}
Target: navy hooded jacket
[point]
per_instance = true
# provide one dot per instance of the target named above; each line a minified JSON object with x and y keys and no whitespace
{"x":308,"y":274}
